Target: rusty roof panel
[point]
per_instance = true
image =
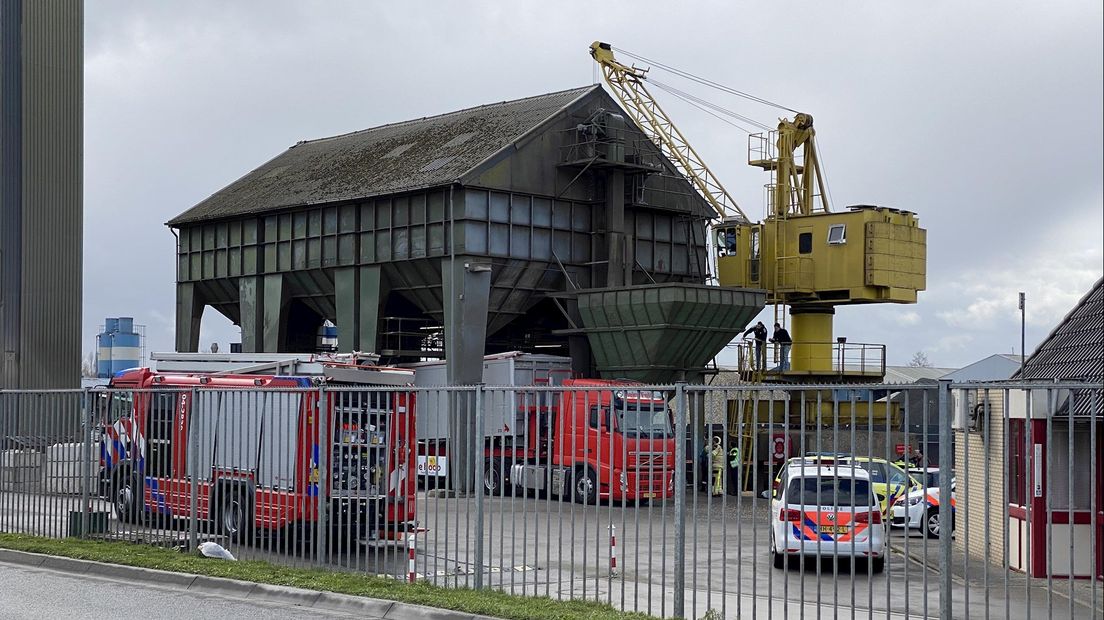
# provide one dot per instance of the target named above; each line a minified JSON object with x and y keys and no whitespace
{"x":383,"y":160}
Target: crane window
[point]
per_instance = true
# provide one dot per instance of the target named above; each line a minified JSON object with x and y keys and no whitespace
{"x":837,"y":234}
{"x":805,"y":243}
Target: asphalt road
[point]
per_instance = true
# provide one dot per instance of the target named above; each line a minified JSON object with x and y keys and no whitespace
{"x":34,"y":593}
{"x":543,"y":546}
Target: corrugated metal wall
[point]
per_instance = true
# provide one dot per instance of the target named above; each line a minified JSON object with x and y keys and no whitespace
{"x":42,"y":285}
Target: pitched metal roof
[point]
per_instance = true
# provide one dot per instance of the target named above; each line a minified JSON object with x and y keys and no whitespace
{"x":1075,"y":349}
{"x":905,"y":375}
{"x":406,"y":156}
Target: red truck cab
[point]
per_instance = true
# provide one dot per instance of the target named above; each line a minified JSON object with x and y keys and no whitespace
{"x":613,"y":440}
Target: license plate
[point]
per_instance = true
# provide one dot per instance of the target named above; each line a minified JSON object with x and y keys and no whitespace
{"x":833,"y":529}
{"x":647,"y":495}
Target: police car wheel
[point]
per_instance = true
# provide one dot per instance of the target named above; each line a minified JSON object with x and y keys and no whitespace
{"x":931,"y":524}
{"x":877,"y":565}
{"x":778,"y":559}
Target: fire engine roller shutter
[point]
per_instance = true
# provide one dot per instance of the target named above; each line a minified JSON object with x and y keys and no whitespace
{"x":204,"y":422}
{"x":281,"y":419}
{"x":238,"y":432}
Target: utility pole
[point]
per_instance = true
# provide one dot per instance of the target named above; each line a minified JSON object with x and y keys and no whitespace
{"x":1023,"y":333}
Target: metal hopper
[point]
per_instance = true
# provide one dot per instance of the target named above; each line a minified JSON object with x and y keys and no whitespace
{"x":658,"y":333}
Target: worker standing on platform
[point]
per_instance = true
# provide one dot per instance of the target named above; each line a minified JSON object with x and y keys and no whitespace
{"x":759,"y":331}
{"x":782,"y":338}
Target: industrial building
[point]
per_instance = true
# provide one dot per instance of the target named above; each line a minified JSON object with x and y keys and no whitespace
{"x":41,"y":221}
{"x":547,"y":223}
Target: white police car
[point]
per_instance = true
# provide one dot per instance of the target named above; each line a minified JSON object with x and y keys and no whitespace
{"x":923,"y":509}
{"x":826,"y":511}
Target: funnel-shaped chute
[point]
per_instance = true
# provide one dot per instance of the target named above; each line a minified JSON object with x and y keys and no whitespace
{"x":663,"y":332}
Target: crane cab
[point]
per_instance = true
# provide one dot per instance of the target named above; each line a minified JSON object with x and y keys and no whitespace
{"x":863,"y":255}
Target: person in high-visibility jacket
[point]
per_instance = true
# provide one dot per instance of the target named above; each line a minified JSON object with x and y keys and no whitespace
{"x":718,"y":463}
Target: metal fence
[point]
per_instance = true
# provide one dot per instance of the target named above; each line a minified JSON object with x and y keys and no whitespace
{"x":671,"y":500}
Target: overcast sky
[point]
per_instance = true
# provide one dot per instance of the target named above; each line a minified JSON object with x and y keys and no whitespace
{"x":984,"y":118}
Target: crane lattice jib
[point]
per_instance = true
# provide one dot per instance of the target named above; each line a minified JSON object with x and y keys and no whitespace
{"x":627,"y":84}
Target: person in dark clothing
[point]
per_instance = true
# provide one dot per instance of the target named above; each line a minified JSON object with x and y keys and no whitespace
{"x":759,"y":331}
{"x":782,"y":338}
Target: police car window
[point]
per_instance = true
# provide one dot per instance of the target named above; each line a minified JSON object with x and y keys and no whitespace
{"x":896,"y":476}
{"x":828,"y":491}
{"x":877,"y":470}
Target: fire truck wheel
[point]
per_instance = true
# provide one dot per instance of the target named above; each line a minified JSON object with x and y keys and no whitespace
{"x":126,"y":496}
{"x":585,"y":486}
{"x":235,"y":516}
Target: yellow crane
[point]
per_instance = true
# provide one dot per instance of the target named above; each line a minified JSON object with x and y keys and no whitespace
{"x":806,"y":256}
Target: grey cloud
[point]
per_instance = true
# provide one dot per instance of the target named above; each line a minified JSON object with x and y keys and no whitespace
{"x":983,"y":118}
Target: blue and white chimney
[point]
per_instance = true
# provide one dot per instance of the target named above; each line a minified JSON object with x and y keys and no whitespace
{"x":118,"y":347}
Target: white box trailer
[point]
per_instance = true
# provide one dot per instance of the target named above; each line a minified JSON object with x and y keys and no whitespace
{"x":503,"y":413}
{"x":500,"y":414}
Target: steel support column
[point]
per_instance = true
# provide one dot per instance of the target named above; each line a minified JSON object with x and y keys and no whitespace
{"x":372,"y":294}
{"x":189,"y":315}
{"x":249,"y":303}
{"x":274,"y":313}
{"x":347,"y":298}
{"x":466,"y":285}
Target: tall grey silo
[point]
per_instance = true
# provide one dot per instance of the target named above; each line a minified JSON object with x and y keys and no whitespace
{"x":41,"y":208}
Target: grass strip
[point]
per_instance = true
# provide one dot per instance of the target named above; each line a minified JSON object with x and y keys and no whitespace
{"x":484,"y":602}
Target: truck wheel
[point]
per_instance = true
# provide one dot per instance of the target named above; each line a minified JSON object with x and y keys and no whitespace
{"x":585,"y":486}
{"x":235,"y":515}
{"x":496,"y":479}
{"x":126,"y":496}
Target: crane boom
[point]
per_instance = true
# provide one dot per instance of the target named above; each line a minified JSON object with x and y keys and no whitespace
{"x":627,"y":84}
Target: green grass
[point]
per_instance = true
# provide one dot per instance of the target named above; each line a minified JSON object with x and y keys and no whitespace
{"x":485,"y":602}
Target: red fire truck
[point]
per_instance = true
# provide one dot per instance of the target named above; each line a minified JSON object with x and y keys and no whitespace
{"x":592,"y":439}
{"x":260,"y":448}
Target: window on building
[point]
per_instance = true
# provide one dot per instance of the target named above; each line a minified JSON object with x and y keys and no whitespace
{"x":1070,"y":467}
{"x":805,"y":243}
{"x":837,"y":234}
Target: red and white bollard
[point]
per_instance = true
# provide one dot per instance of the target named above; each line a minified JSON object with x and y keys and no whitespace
{"x":613,"y":549}
{"x":411,"y":575}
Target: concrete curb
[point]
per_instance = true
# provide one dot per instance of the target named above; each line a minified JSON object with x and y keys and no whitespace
{"x":232,"y":588}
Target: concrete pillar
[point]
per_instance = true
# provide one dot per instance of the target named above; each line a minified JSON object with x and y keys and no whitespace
{"x":274,"y":313}
{"x":249,"y":306}
{"x":466,"y":288}
{"x":189,"y":315}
